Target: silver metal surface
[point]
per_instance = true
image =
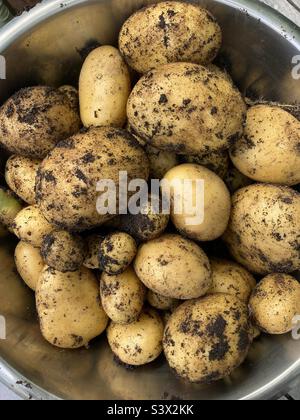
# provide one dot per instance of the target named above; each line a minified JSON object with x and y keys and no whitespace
{"x":46,"y":46}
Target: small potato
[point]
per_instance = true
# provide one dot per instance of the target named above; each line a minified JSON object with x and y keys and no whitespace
{"x":275,"y":303}
{"x":122,"y":296}
{"x":140,"y":342}
{"x":209,"y":223}
{"x":20,"y":175}
{"x":104,"y":87}
{"x":31,"y":226}
{"x":169,"y":32}
{"x":117,"y":251}
{"x":269,"y":151}
{"x":218,"y":162}
{"x":29,"y":263}
{"x":9,"y":208}
{"x":93,"y":250}
{"x":232,"y":279}
{"x":69,"y":307}
{"x":63,"y":251}
{"x":174,"y":267}
{"x":160,"y":302}
{"x":160,"y":162}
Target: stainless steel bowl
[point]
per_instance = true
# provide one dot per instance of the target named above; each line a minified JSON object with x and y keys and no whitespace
{"x":47,"y":46}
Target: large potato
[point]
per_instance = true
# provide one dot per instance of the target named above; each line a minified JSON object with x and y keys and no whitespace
{"x":35,"y":119}
{"x":187,"y":109}
{"x":269,"y":151}
{"x":29,"y":263}
{"x":263,"y":233}
{"x":174,"y":267}
{"x":67,"y":179}
{"x":69,"y":307}
{"x":169,"y":32}
{"x":104,"y":87}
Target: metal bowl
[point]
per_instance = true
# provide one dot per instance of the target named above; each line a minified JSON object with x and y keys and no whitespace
{"x":47,"y":45}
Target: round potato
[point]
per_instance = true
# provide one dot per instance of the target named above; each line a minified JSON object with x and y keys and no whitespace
{"x":9,"y":208}
{"x":232,"y":279}
{"x":69,"y":307}
{"x":122,"y":296}
{"x":161,"y":161}
{"x":269,"y":151}
{"x":218,"y":162}
{"x":205,"y":211}
{"x":169,"y":32}
{"x":140,"y":342}
{"x":67,"y":179}
{"x":63,"y":251}
{"x":160,"y":302}
{"x":31,"y":226}
{"x":20,"y":176}
{"x":104,"y":87}
{"x":205,"y":340}
{"x":93,"y":250}
{"x":117,"y":251}
{"x":29,"y":263}
{"x":275,"y":303}
{"x":174,"y":267}
{"x":187,"y":109}
{"x":263,"y":233}
{"x":35,"y":119}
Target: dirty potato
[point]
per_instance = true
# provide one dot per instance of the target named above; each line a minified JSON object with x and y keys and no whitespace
{"x":117,"y":251}
{"x":160,"y":302}
{"x":93,"y":243}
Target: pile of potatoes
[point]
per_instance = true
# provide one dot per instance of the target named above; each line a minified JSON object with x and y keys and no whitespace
{"x":155,"y":282}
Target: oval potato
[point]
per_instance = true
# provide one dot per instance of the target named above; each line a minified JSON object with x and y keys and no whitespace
{"x":29,"y":263}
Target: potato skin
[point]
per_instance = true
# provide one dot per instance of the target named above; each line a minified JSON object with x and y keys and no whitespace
{"x":67,"y":179}
{"x":122,"y":296}
{"x":263,"y":232}
{"x":174,"y":267}
{"x":29,"y":263}
{"x":161,"y":161}
{"x":20,"y":175}
{"x":104,"y":87}
{"x":187,"y":109}
{"x":206,"y":339}
{"x":160,"y":302}
{"x":169,"y":32}
{"x":117,"y":251}
{"x":35,"y":119}
{"x":269,"y":151}
{"x":275,"y":302}
{"x":69,"y":307}
{"x":140,"y":342}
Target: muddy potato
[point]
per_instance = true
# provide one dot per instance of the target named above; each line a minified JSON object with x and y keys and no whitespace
{"x":169,"y":32}
{"x":69,"y":307}
{"x":205,"y":340}
{"x":63,"y":251}
{"x":263,"y":232}
{"x":186,"y":109}
{"x":235,"y":180}
{"x":20,"y":175}
{"x":31,"y":226}
{"x":67,"y":179}
{"x":218,"y":162}
{"x":231,"y":278}
{"x":72,"y":94}
{"x":161,"y":161}
{"x":35,"y":119}
{"x":275,"y":303}
{"x":104,"y":87}
{"x":269,"y":150}
{"x":205,"y":223}
{"x":160,"y":302}
{"x":9,"y":208}
{"x":29,"y":263}
{"x":117,"y":251}
{"x":93,"y":243}
{"x":173,"y":267}
{"x":140,"y":342}
{"x":122,"y":296}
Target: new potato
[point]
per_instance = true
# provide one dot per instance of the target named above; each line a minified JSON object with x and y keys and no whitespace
{"x":29,"y":263}
{"x":117,"y":251}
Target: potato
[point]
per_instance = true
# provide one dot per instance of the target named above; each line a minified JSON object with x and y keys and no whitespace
{"x":217,"y":162}
{"x":63,"y":251}
{"x":122,"y":296}
{"x":67,"y":179}
{"x":117,"y":251}
{"x":235,"y":180}
{"x":92,"y":260}
{"x":72,"y":94}
{"x":219,"y":71}
{"x":140,"y":342}
{"x":174,"y":267}
{"x":169,"y":32}
{"x":9,"y":207}
{"x":263,"y":233}
{"x":160,"y":302}
{"x":186,"y":109}
{"x":104,"y":87}
{"x":269,"y":151}
{"x":31,"y":226}
{"x":69,"y":307}
{"x":275,"y":303}
{"x":20,"y":175}
{"x":29,"y":263}
{"x":35,"y":119}
{"x":216,"y":205}
{"x":232,"y":279}
{"x":205,"y":340}
{"x":161,"y":162}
